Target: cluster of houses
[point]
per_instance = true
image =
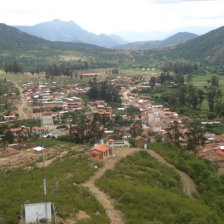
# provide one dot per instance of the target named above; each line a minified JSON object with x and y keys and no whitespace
{"x":45,"y":97}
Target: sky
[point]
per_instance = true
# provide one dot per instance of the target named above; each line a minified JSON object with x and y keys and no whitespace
{"x":117,"y":16}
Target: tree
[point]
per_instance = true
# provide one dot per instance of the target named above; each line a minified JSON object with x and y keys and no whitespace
{"x":152,"y":82}
{"x":103,"y":91}
{"x":9,"y":137}
{"x":201,"y":96}
{"x":136,"y":129}
{"x":219,"y":109}
{"x":132,"y":110}
{"x":12,"y":67}
{"x":195,"y":136}
{"x":158,"y":138}
{"x":189,"y":77}
{"x":3,"y":129}
{"x":115,"y":71}
{"x":215,"y":81}
{"x":6,"y":67}
{"x":93,"y":92}
{"x":132,"y":142}
{"x":182,"y":95}
{"x":194,"y":98}
{"x":211,"y":93}
{"x":173,"y":133}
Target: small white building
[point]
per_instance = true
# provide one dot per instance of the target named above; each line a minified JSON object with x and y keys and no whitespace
{"x":36,"y":212}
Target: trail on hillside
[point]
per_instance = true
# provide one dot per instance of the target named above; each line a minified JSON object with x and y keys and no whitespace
{"x":116,"y":216}
{"x":188,"y":184}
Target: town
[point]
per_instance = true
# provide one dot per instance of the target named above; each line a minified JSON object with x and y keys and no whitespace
{"x":52,"y":105}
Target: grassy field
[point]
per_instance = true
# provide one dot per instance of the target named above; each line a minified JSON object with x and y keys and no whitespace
{"x":64,"y":177}
{"x":149,"y":192}
{"x":201,"y":80}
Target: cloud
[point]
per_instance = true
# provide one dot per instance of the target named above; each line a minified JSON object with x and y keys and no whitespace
{"x":17,"y":11}
{"x":178,"y":1}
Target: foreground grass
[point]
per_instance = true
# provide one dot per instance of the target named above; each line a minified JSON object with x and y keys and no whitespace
{"x":64,"y":177}
{"x":210,"y":186}
{"x":149,"y":192}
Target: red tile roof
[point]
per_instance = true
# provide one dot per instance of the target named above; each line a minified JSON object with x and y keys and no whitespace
{"x":101,"y":148}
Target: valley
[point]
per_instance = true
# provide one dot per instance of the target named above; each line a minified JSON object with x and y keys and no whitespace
{"x":127,"y":136}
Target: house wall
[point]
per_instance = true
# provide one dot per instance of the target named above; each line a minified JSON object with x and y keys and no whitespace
{"x":95,"y":156}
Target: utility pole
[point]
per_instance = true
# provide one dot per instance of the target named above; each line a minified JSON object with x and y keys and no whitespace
{"x":55,"y":213}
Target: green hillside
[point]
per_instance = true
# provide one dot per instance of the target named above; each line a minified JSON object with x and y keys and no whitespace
{"x":208,"y":48}
{"x":149,"y":192}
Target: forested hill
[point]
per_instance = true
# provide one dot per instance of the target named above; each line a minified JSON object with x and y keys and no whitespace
{"x":208,"y":48}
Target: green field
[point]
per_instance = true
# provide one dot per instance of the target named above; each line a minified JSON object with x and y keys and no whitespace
{"x":201,"y":80}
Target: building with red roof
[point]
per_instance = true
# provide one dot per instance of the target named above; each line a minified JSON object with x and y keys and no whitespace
{"x":101,"y":152}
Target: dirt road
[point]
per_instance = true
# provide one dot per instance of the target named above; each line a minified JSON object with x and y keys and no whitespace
{"x":188,"y":184}
{"x":116,"y":216}
{"x":23,"y":109}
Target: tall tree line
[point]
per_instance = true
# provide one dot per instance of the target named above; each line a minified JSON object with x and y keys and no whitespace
{"x":13,"y":67}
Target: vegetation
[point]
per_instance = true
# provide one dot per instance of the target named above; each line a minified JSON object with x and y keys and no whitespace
{"x":12,"y":67}
{"x":6,"y":103}
{"x":64,"y":177}
{"x":103,"y":91}
{"x":194,"y":136}
{"x":147,"y":191}
{"x":201,"y":171}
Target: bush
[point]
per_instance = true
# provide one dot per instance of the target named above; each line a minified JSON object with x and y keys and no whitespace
{"x":132,"y":142}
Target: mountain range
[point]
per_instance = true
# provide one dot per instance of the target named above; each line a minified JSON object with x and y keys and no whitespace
{"x":30,"y":50}
{"x":58,"y":30}
{"x":178,"y":38}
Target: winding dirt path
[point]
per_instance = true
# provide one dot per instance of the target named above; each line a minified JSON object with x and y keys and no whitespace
{"x":188,"y":184}
{"x":116,"y":216}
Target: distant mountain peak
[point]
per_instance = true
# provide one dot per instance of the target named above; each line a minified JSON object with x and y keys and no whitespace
{"x":58,"y":30}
